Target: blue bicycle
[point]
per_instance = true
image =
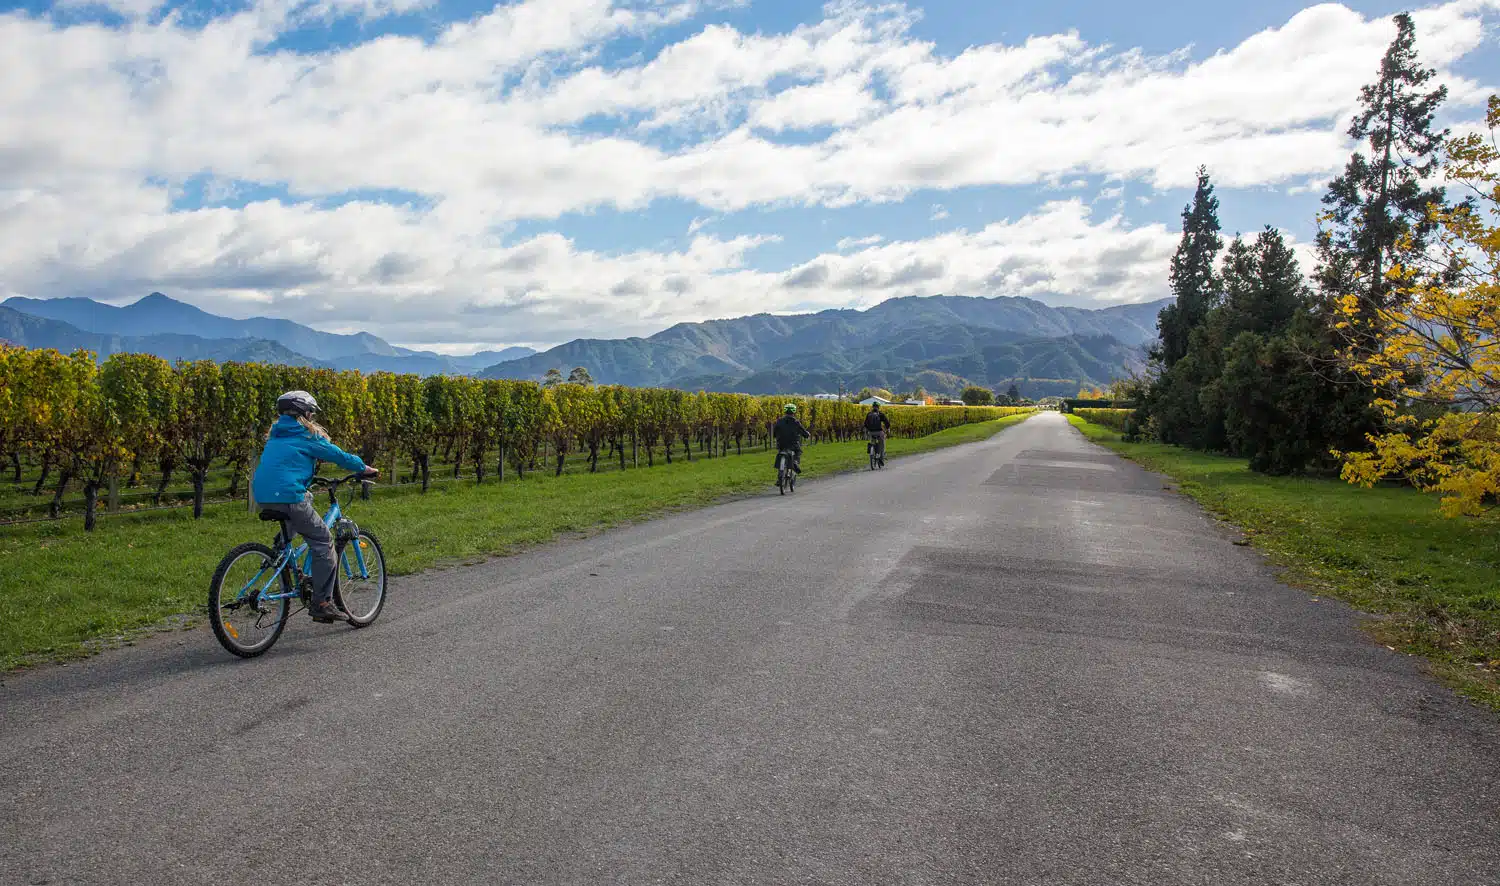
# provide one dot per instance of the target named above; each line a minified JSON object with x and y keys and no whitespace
{"x":254,"y":587}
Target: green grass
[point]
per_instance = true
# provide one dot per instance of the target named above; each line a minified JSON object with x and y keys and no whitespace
{"x":64,"y":592}
{"x":17,"y":502}
{"x":1431,"y":583}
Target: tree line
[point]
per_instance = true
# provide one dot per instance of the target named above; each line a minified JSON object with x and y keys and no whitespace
{"x":137,"y":415}
{"x":1384,"y":363}
{"x":971,"y":395}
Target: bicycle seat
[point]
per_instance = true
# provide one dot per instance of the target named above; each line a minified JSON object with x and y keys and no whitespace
{"x":272,"y":516}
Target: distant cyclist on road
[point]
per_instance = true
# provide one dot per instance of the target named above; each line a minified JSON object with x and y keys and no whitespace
{"x":788,"y":433}
{"x":877,"y":425}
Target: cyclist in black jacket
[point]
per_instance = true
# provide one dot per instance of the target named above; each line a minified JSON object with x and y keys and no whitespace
{"x":788,"y":434}
{"x":877,"y":424}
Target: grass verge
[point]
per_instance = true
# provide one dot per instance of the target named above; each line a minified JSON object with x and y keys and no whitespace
{"x":64,"y":592}
{"x":1431,"y":583}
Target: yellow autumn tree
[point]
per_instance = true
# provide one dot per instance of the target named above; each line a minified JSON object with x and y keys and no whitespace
{"x":1439,"y":360}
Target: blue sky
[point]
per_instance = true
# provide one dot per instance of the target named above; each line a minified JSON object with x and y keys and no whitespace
{"x":467,"y":175}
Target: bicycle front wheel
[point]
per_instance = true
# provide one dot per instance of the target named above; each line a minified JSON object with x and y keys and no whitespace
{"x":245,"y":622}
{"x":360,"y":588}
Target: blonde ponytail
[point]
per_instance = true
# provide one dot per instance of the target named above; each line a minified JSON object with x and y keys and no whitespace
{"x":312,"y":427}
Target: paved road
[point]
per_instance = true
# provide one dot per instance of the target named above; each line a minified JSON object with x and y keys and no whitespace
{"x":1019,"y":661}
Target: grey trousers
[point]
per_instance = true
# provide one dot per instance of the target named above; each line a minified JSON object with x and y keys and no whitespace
{"x":303,"y":519}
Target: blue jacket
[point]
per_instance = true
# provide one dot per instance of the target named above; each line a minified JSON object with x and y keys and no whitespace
{"x":290,"y":458}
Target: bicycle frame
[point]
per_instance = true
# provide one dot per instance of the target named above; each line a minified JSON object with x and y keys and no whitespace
{"x":287,"y":555}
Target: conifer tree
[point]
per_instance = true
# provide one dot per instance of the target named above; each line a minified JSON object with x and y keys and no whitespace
{"x":1381,"y":198}
{"x":1193,"y":280}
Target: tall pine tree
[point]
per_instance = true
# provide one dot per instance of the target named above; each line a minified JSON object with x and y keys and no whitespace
{"x":1381,"y":198}
{"x":1172,"y":405}
{"x":1193,"y":280}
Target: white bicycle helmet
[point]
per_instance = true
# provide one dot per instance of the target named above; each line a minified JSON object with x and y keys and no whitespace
{"x":296,"y":402}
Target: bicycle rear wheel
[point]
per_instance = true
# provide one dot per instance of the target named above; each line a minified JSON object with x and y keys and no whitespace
{"x":360,"y":586}
{"x":245,"y":623}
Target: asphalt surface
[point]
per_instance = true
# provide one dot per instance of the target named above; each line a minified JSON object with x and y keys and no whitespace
{"x":1018,"y":661}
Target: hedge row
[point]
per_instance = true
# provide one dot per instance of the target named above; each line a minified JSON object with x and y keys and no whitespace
{"x":1116,"y":419}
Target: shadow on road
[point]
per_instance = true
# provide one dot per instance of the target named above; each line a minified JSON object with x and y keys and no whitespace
{"x":152,"y":660}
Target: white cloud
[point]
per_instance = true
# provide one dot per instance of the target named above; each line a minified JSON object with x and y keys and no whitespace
{"x":1060,"y":252}
{"x":830,"y":103}
{"x":435,"y":119}
{"x":519,"y":114}
{"x":939,"y":212}
{"x":392,"y":272}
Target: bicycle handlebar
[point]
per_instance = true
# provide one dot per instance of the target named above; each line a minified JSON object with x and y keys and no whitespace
{"x":335,"y":481}
{"x":332,"y":484}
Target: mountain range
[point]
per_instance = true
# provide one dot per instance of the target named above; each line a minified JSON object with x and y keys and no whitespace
{"x":158,"y":324}
{"x":939,"y":342}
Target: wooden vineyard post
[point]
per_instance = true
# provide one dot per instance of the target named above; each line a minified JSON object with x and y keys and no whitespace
{"x":250,"y":487}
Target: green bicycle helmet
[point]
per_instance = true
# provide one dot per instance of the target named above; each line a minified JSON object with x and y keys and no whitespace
{"x":790,"y":407}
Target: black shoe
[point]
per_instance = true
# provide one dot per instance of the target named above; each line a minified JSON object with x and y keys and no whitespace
{"x":327,"y":613}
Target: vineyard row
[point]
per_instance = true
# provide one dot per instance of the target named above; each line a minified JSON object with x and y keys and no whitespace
{"x":136,"y":414}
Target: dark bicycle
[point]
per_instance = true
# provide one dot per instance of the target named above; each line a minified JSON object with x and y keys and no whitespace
{"x":876,"y":448}
{"x":786,"y":475}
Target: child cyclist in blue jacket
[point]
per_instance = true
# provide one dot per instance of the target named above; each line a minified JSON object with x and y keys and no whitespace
{"x":293,"y":449}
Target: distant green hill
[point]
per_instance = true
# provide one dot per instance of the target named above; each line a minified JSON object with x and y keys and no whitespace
{"x":939,"y":342}
{"x":960,"y":340}
{"x":37,"y":332}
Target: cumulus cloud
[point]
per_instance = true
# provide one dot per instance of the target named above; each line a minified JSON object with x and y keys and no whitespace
{"x":521,"y":115}
{"x":837,"y":102}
